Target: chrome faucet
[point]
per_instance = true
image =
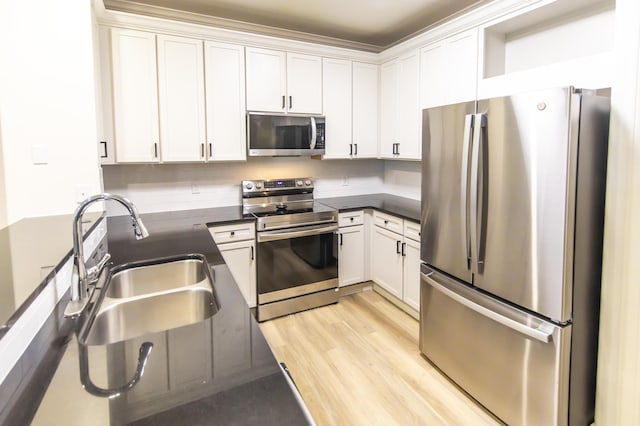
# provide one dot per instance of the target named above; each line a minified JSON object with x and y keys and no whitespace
{"x":81,"y":278}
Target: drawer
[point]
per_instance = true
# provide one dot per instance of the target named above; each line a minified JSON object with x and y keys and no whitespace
{"x":234,"y":232}
{"x":412,"y":230}
{"x":386,"y":221}
{"x":351,"y":218}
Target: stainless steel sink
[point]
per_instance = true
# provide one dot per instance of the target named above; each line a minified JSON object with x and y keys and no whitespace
{"x":156,"y":277}
{"x":150,"y":297}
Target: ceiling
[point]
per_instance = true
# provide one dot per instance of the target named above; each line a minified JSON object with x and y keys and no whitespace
{"x":365,"y":24}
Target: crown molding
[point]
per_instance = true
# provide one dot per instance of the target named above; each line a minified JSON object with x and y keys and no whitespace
{"x":231,"y":24}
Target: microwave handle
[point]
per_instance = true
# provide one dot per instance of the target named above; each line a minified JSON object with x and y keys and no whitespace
{"x":313,"y":133}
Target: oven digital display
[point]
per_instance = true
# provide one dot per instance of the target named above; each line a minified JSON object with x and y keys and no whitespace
{"x":279,"y":183}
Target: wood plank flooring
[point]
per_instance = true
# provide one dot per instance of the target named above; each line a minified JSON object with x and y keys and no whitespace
{"x":358,"y":363}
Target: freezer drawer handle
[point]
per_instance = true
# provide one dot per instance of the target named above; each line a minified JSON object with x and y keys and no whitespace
{"x":508,"y":322}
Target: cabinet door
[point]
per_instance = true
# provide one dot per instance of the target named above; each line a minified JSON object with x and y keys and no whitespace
{"x":336,"y":99}
{"x":351,"y":255}
{"x":266,"y":80}
{"x":181,"y":90}
{"x":388,"y":108}
{"x":449,"y":70}
{"x":365,"y":110}
{"x":462,"y":67}
{"x":411,"y":273}
{"x":225,"y":95}
{"x":240,"y":258}
{"x":433,"y":80}
{"x":135,"y":96}
{"x":304,"y":83}
{"x":408,"y":112}
{"x":386,"y":260}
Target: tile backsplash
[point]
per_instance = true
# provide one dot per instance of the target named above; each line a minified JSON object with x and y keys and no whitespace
{"x":166,"y":187}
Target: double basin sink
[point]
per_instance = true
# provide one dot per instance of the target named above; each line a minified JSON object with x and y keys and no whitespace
{"x":149,"y":297}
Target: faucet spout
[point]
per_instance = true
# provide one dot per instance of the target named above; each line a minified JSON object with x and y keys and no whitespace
{"x":80,"y":279}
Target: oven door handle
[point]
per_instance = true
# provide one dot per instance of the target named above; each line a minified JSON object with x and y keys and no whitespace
{"x":283,"y":234}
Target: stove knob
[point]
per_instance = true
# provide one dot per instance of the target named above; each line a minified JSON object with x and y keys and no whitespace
{"x":258,"y":185}
{"x":248,"y":185}
{"x":298,"y":183}
{"x":307,"y":182}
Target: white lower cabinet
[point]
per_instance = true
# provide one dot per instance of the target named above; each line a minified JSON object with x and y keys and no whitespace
{"x":411,"y":273}
{"x":351,"y":248}
{"x":240,"y":258}
{"x":237,"y":245}
{"x":395,"y":258}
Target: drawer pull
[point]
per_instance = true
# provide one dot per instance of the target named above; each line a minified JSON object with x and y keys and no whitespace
{"x":232,"y":233}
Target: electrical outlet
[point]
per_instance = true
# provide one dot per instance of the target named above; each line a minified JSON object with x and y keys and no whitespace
{"x":345,"y":180}
{"x":195,"y":188}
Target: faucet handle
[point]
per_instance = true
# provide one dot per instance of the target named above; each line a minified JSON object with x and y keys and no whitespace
{"x":93,"y":273}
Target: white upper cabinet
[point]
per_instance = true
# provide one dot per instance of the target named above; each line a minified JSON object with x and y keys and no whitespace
{"x":181,"y":95}
{"x":336,"y":98}
{"x":388,"y":108}
{"x":304,"y":83}
{"x":225,"y":97}
{"x":400,"y":122}
{"x":449,"y":70}
{"x":283,"y":82}
{"x":365,"y":110}
{"x":266,"y":80}
{"x":135,"y":96}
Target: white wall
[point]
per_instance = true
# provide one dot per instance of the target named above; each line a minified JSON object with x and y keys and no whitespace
{"x":47,"y":104}
{"x":171,"y":186}
{"x":618,"y":386}
{"x":403,"y":178}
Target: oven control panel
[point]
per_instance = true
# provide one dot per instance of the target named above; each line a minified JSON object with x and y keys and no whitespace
{"x":266,"y":186}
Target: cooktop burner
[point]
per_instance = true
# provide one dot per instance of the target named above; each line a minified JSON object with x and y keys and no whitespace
{"x":283,"y":203}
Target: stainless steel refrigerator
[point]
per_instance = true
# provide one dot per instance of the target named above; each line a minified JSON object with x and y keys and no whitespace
{"x":512,"y":222}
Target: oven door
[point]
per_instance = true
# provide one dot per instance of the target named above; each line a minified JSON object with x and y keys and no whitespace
{"x":297,"y":261}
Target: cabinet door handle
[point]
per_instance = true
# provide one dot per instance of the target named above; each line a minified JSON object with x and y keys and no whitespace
{"x":341,"y":239}
{"x":290,"y":102}
{"x":398,"y":149}
{"x":104,"y":146}
{"x":356,"y":150}
{"x":201,"y":150}
{"x":252,"y":258}
{"x":398,"y":247}
{"x":283,"y":104}
{"x":210,"y":150}
{"x":350,"y":149}
{"x":155,"y":149}
{"x":403,"y":249}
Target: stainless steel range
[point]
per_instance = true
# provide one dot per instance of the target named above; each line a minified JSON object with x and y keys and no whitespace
{"x":297,"y":261}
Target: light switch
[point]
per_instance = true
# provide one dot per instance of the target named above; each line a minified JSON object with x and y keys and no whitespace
{"x":39,"y":154}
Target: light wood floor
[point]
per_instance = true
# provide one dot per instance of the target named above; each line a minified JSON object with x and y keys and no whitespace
{"x":358,"y":363}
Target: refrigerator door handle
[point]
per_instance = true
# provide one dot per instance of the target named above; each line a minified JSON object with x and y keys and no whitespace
{"x":477,"y":196}
{"x":535,"y":333}
{"x":464,"y":187}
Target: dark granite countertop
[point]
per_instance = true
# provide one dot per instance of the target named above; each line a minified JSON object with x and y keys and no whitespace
{"x":392,"y":204}
{"x":30,"y":250}
{"x":217,"y":371}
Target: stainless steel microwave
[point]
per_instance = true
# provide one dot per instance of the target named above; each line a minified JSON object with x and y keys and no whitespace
{"x":273,"y":135}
